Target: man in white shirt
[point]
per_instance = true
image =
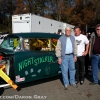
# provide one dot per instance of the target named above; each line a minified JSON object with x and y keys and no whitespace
{"x":82,"y":41}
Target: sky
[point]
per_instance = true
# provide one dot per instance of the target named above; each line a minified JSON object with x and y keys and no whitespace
{"x":71,"y":2}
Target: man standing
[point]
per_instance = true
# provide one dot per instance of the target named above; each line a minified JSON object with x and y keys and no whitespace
{"x":82,"y":51}
{"x":66,"y":51}
{"x":95,"y":53}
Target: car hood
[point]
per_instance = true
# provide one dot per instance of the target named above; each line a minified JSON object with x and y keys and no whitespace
{"x":6,"y":51}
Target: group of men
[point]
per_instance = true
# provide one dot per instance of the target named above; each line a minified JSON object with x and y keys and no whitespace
{"x":71,"y":51}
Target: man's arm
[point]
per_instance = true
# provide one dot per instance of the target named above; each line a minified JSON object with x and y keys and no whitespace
{"x":87,"y":46}
{"x":58,"y":52}
{"x":75,"y":48}
{"x":75,"y":51}
{"x":86,"y":51}
{"x":58,"y":49}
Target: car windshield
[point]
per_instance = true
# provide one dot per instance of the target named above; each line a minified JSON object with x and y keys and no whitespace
{"x":10,"y":43}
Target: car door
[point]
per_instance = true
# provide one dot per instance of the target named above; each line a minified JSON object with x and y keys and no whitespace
{"x":37,"y":62}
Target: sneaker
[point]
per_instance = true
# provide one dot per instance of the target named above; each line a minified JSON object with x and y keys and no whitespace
{"x":81,"y":82}
{"x":76,"y":82}
{"x":66,"y":87}
{"x":74,"y":85}
{"x":99,"y":82}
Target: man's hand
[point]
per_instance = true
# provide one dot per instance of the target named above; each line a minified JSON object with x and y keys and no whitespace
{"x":75,"y":59}
{"x":84,"y":53}
{"x":59,"y":60}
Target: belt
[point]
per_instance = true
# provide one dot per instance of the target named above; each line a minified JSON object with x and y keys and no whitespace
{"x":69,"y":54}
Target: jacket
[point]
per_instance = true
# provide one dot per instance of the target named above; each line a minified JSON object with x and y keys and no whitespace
{"x":61,"y":46}
{"x":92,"y":40}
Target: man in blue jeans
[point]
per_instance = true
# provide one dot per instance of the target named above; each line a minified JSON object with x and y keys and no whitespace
{"x":95,"y":54}
{"x":66,"y":51}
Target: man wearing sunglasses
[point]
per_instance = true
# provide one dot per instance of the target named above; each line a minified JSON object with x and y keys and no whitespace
{"x":95,"y":55}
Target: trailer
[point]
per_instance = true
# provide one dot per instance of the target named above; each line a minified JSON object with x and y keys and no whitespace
{"x":32,"y":23}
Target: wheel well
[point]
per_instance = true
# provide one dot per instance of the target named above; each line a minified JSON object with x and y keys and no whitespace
{"x":9,"y":62}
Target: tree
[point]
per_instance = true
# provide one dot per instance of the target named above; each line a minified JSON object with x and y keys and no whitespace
{"x":7,"y":8}
{"x":82,"y":13}
{"x":56,"y":9}
{"x":21,"y":7}
{"x":97,"y":11}
{"x":30,"y":6}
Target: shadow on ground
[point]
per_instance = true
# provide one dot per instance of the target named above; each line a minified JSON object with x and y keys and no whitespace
{"x":41,"y":81}
{"x":1,"y":91}
{"x":89,"y":77}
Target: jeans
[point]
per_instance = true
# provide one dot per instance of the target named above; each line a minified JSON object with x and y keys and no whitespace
{"x":95,"y":63}
{"x":79,"y":66}
{"x":68,"y":64}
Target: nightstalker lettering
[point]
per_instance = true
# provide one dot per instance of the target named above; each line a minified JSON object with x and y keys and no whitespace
{"x":32,"y":61}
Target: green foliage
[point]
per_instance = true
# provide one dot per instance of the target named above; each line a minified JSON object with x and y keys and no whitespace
{"x":7,"y":7}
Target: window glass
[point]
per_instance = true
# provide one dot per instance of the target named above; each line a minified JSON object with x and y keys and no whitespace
{"x":26,"y":44}
{"x":53,"y":43}
{"x":10,"y":43}
{"x":38,"y":44}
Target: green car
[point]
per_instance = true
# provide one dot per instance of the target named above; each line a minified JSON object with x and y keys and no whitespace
{"x":29,"y":56}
